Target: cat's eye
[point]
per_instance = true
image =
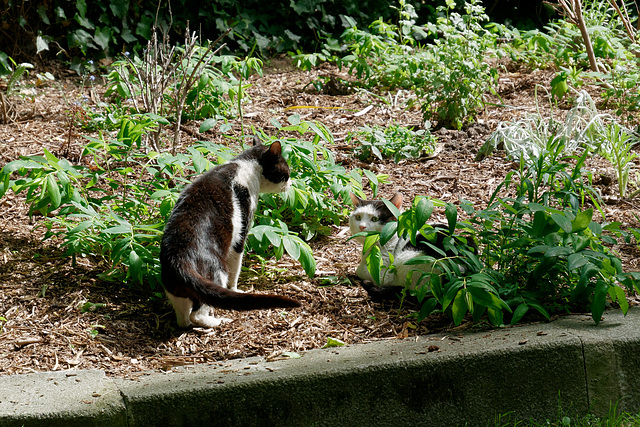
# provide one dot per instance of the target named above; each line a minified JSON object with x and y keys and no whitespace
{"x":358,"y":217}
{"x":374,"y":219}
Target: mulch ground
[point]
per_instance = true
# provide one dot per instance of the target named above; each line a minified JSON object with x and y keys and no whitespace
{"x":42,"y":294}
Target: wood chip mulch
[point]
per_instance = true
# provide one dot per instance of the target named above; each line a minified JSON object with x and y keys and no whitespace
{"x":60,"y":316}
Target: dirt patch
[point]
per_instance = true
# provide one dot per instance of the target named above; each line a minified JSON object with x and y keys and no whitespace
{"x":62,"y":316}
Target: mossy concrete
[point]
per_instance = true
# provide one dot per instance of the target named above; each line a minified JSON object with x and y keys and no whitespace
{"x":454,"y":380}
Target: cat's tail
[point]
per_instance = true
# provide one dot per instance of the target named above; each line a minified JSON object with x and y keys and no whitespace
{"x":218,"y":296}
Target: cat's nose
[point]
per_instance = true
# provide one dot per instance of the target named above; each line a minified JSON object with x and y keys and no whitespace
{"x":362,"y":227}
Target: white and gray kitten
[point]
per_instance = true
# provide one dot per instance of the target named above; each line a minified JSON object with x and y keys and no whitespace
{"x":373,"y":215}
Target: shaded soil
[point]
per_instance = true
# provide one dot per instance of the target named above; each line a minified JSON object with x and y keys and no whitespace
{"x":42,"y":294}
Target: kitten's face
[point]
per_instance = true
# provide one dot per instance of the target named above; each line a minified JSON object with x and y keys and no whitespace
{"x":370,"y":215}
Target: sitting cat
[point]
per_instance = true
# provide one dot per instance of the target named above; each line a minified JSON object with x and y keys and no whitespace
{"x":203,"y":242}
{"x":373,"y":215}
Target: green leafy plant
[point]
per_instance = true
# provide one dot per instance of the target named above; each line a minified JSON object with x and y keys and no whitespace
{"x":167,"y":79}
{"x":11,"y":73}
{"x":582,"y":129}
{"x":617,"y":148}
{"x":459,"y":75}
{"x":114,"y":205}
{"x":393,"y":141}
{"x":449,"y":77}
{"x":537,"y":250}
{"x":319,"y":184}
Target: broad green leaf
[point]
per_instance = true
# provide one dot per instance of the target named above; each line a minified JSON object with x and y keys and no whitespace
{"x":273,"y":238}
{"x":539,"y":308}
{"x":424,"y":209}
{"x":562,"y":221}
{"x":374,"y":264}
{"x":81,"y":227}
{"x":427,"y":308}
{"x":575,"y":261}
{"x":621,"y":297}
{"x":119,"y":229}
{"x":599,"y":302}
{"x":582,"y":221}
{"x":388,"y":231}
{"x":459,"y":307}
{"x":207,"y":124}
{"x":370,"y":241}
{"x":53,"y":191}
{"x":481,"y":296}
{"x":557,"y":251}
{"x":394,"y":210}
{"x":307,"y":261}
{"x":451,"y":212}
{"x":292,"y":247}
{"x":135,"y":265}
{"x":519,"y":312}
{"x":495,"y":316}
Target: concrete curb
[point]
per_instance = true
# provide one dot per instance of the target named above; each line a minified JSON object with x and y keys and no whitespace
{"x":439,"y":380}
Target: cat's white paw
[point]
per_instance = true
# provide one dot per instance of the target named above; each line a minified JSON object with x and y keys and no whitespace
{"x":208,"y":321}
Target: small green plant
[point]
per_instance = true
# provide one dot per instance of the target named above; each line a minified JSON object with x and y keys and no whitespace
{"x":458,"y":75}
{"x":617,"y":148}
{"x":168,"y":78}
{"x":582,"y":129}
{"x":2,"y":322}
{"x":450,"y":77}
{"x":11,"y":73}
{"x":393,"y":141}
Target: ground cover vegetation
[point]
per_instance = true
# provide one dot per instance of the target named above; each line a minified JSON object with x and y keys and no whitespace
{"x":541,"y":245}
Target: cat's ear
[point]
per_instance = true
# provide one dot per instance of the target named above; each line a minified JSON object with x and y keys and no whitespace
{"x":355,"y":199}
{"x":275,"y":149}
{"x":256,"y":140}
{"x":396,"y":200}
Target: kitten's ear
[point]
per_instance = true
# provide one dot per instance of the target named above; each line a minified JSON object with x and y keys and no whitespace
{"x":275,"y":149}
{"x":396,"y":200}
{"x":355,"y":199}
{"x":256,"y":140}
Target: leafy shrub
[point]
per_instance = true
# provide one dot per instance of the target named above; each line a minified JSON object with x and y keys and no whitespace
{"x":449,"y":77}
{"x":584,"y":131}
{"x":104,"y":28}
{"x":537,"y":250}
{"x":115,"y":205}
{"x":394,"y":142}
{"x":458,"y":75}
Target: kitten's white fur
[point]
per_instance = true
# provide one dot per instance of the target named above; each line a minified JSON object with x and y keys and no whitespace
{"x":364,"y":218}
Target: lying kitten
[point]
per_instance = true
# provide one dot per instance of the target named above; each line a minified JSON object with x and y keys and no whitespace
{"x":203,"y":242}
{"x":373,"y":216}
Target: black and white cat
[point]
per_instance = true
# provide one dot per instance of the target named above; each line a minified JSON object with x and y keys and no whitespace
{"x":203,"y":242}
{"x":373,"y":215}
